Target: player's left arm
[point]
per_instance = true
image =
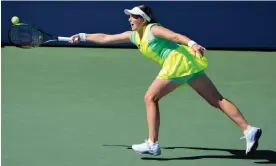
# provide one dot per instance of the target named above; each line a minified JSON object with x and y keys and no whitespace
{"x":162,"y":32}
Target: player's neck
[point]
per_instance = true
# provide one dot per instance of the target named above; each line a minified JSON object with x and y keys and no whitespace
{"x":141,"y":31}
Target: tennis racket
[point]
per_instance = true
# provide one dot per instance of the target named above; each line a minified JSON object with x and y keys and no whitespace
{"x":28,"y":36}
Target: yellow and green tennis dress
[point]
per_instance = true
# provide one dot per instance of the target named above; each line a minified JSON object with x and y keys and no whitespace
{"x":177,"y":61}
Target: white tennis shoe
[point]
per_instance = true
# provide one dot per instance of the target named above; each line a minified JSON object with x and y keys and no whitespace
{"x":252,"y":136}
{"x":147,"y":148}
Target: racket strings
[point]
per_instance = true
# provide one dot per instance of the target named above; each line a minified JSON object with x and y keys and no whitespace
{"x":26,"y":36}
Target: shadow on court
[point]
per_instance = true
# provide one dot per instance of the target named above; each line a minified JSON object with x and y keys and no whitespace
{"x":268,"y":155}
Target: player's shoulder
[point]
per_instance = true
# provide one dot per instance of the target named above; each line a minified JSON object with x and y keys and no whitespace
{"x":151,"y":25}
{"x":156,"y":29}
{"x":155,"y":26}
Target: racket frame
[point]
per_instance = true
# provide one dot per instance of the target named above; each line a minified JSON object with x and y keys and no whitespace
{"x":43,"y":33}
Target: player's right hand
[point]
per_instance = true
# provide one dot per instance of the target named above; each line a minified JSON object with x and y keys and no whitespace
{"x":75,"y":39}
{"x":198,"y":48}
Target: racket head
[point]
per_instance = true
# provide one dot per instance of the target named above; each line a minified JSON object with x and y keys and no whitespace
{"x":25,"y":36}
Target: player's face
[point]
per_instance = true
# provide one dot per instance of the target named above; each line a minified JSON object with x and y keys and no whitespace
{"x":136,"y":22}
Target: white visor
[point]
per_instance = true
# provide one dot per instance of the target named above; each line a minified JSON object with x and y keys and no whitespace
{"x":137,"y":11}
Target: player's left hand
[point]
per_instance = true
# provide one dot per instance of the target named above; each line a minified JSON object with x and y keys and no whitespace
{"x":198,"y":49}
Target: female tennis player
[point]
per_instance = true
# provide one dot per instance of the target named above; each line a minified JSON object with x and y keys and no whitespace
{"x":182,"y":61}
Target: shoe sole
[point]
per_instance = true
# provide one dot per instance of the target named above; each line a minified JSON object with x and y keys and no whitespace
{"x":256,"y":144}
{"x":153,"y":154}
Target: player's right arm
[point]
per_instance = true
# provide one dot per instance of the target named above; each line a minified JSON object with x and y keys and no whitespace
{"x":101,"y":38}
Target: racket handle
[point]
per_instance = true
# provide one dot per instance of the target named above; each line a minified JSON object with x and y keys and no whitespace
{"x":66,"y":39}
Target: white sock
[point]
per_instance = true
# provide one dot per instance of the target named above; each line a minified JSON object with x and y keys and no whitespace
{"x":247,"y":129}
{"x":150,"y":141}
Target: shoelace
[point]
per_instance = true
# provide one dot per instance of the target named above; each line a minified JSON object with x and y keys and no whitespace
{"x":244,"y":136}
{"x":147,"y":143}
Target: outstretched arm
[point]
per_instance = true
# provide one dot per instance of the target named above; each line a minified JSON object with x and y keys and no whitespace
{"x":162,"y":32}
{"x":101,"y":38}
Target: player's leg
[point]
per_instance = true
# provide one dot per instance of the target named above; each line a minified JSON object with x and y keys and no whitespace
{"x":158,"y":89}
{"x":204,"y":87}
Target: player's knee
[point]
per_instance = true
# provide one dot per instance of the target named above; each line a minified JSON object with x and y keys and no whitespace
{"x":149,"y":98}
{"x":216,"y":102}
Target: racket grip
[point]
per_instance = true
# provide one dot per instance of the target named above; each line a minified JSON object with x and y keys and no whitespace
{"x":66,"y":39}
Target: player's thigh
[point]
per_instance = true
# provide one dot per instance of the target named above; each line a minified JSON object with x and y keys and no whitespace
{"x":205,"y":88}
{"x":159,"y":88}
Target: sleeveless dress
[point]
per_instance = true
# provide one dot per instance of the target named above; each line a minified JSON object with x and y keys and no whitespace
{"x":178,"y":62}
